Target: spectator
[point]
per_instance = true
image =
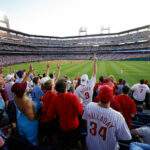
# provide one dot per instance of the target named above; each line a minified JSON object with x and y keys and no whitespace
{"x":11,"y":110}
{"x":127,"y":105}
{"x":121,"y":86}
{"x":48,"y":125}
{"x":68,"y":83}
{"x":3,"y":93}
{"x":113,"y":103}
{"x":139,"y":92}
{"x":143,"y":132}
{"x":105,"y":126}
{"x":36,"y":92}
{"x":85,"y":90}
{"x":67,"y":107}
{"x":25,"y":109}
{"x":98,"y":86}
{"x":4,"y":120}
{"x":20,"y":76}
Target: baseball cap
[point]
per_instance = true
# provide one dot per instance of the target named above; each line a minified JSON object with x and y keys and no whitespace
{"x":145,"y":81}
{"x":9,"y":76}
{"x":19,"y":88}
{"x":43,"y":80}
{"x":20,"y":73}
{"x":105,"y":93}
{"x":84,"y":79}
{"x":24,"y":70}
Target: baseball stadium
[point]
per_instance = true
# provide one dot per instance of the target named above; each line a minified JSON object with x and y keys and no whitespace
{"x":124,"y":54}
{"x":74,"y":92}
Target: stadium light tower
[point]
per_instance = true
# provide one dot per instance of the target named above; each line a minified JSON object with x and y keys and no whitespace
{"x":105,"y":29}
{"x":82,"y":30}
{"x":4,"y":19}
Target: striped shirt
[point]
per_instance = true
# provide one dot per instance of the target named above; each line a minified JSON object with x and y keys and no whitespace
{"x":105,"y":127}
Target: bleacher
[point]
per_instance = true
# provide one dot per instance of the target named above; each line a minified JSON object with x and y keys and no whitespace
{"x":114,"y":46}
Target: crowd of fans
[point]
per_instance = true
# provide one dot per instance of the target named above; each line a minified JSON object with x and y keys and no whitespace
{"x":18,"y":43}
{"x":45,"y":112}
{"x":15,"y":59}
{"x":76,"y":41}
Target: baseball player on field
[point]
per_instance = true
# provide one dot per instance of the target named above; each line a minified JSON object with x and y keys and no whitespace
{"x":85,"y":90}
{"x":105,"y":126}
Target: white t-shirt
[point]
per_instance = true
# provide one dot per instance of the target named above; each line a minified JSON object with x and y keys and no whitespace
{"x":139,"y":91}
{"x":86,"y":92}
{"x":145,"y":133}
{"x":105,"y":127}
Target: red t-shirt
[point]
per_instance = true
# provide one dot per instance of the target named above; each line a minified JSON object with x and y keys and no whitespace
{"x":127,"y":106}
{"x":67,"y":108}
{"x":47,"y":97}
{"x":97,"y":85}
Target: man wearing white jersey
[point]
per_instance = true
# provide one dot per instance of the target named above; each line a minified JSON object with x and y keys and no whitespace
{"x":105,"y":126}
{"x":139,"y":92}
{"x":85,"y":90}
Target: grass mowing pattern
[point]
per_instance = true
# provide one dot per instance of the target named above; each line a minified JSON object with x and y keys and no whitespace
{"x":133,"y":71}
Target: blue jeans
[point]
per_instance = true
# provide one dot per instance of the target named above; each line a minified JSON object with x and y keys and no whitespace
{"x":139,"y":146}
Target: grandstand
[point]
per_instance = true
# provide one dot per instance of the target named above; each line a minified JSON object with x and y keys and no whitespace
{"x":19,"y":47}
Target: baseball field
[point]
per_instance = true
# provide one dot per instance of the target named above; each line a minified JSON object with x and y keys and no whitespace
{"x":131,"y":71}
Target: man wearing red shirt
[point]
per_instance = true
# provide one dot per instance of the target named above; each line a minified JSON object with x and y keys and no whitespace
{"x":67,"y":107}
{"x":127,"y":105}
{"x":48,"y":125}
{"x":46,"y":99}
{"x":113,"y":103}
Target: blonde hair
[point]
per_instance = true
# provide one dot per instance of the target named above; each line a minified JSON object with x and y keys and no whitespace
{"x":48,"y":84}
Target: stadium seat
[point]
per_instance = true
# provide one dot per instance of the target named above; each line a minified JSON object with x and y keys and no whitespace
{"x":136,"y":124}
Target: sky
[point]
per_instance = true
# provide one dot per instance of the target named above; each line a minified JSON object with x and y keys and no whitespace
{"x":65,"y":17}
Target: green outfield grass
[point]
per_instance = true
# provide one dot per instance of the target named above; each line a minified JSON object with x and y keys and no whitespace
{"x":133,"y":71}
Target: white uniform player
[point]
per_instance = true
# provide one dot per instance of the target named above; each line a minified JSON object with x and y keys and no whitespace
{"x":139,"y":91}
{"x":85,"y":90}
{"x":105,"y":127}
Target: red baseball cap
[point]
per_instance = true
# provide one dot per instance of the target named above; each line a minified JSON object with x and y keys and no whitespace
{"x":105,"y":94}
{"x":19,"y":88}
{"x":24,"y":70}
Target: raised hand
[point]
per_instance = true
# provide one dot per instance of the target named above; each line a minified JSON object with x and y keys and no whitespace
{"x":31,"y":68}
{"x":58,"y":66}
{"x":48,"y":66}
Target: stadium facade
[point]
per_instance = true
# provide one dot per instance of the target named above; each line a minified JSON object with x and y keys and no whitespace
{"x":19,"y":47}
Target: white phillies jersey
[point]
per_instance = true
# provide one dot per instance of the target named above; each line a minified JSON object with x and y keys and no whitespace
{"x":139,"y":91}
{"x":105,"y":127}
{"x":86,"y":92}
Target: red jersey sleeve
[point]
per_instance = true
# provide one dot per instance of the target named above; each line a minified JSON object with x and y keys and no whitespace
{"x":78,"y":106}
